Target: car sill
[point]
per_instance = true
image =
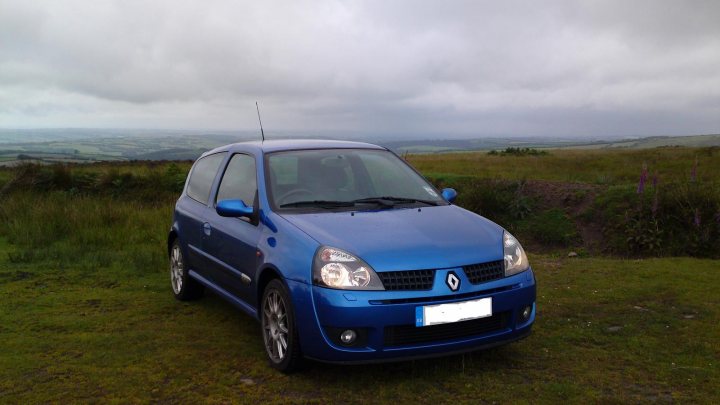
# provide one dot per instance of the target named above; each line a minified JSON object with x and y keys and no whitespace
{"x":224,"y":294}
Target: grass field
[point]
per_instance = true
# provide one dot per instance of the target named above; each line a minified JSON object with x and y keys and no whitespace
{"x":585,"y":166}
{"x":607,"y":331}
{"x":87,"y":313}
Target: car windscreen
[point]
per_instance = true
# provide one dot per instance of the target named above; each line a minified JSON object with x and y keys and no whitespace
{"x":344,"y":178}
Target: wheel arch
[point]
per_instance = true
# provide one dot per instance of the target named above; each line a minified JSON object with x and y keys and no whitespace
{"x":267,"y":274}
{"x":172,"y":237}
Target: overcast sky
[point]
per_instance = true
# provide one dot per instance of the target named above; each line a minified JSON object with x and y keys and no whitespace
{"x":403,"y":68}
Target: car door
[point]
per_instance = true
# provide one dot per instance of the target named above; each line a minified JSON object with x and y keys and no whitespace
{"x":192,"y":207}
{"x":233,"y":241}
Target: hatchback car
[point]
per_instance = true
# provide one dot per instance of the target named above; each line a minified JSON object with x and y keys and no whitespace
{"x":344,"y":253}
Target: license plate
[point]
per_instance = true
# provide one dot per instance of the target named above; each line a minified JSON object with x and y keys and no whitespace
{"x":453,"y":312}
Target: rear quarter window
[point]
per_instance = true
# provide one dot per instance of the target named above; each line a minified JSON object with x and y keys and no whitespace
{"x":202,"y":176}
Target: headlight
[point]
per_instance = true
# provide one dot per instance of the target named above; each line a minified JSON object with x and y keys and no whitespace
{"x":337,"y":268}
{"x":514,"y":255}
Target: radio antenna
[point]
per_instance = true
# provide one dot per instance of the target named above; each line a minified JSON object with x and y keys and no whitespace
{"x":259,"y":120}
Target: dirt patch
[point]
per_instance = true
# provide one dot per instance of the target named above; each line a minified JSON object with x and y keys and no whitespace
{"x":573,"y":198}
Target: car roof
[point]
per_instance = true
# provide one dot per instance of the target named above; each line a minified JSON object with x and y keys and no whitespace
{"x":261,"y":147}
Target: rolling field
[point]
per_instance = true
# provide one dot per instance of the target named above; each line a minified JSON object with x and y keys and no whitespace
{"x":87,"y":314}
{"x":106,"y":146}
{"x":594,"y":166}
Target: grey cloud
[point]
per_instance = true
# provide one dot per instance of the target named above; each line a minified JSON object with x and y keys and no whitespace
{"x":460,"y":68}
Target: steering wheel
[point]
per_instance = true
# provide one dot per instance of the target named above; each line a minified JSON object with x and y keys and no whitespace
{"x":298,"y":191}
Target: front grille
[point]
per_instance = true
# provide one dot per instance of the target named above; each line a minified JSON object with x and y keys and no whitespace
{"x":484,"y":272}
{"x":408,"y":280}
{"x":402,"y":335}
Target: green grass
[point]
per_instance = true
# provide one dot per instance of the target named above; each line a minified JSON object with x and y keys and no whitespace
{"x":551,"y":228}
{"x":115,"y":333}
{"x":5,"y":176}
{"x":87,"y":314}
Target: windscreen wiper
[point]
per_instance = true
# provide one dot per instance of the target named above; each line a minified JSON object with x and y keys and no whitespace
{"x":390,"y":200}
{"x":319,"y":203}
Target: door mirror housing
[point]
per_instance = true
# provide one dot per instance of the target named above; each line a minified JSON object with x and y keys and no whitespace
{"x":233,"y":208}
{"x":449,"y":194}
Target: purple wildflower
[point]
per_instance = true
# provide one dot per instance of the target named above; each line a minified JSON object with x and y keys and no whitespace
{"x":643,"y":179}
{"x":655,"y":179}
{"x":696,"y":220}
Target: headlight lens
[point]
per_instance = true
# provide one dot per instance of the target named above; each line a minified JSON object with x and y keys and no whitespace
{"x":336,"y":268}
{"x":514,"y":256}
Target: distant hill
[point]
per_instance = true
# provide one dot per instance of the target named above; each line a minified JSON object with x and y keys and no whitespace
{"x":172,"y":154}
{"x":113,"y":148}
{"x":660,"y":141}
{"x":440,"y":145}
{"x":121,"y":146}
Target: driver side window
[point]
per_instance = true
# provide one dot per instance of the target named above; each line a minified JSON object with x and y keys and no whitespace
{"x":239,"y":181}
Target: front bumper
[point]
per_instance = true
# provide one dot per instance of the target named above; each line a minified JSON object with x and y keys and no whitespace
{"x":385,"y":320}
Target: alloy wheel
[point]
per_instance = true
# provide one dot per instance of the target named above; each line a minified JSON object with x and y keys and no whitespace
{"x":176,"y":269}
{"x":275,"y":326}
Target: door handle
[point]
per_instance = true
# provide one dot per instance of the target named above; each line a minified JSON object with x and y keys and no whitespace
{"x":207,"y":229}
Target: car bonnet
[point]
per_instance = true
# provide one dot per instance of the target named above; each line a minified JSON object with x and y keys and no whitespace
{"x":407,"y":238}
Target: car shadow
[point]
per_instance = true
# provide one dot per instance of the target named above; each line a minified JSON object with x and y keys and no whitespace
{"x":477,"y":361}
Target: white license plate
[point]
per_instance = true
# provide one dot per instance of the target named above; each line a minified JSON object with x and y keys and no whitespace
{"x":453,"y":312}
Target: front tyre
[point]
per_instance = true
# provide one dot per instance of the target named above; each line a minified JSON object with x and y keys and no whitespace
{"x":184,"y":287}
{"x":280,"y":336}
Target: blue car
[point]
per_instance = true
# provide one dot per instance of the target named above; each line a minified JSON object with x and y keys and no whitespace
{"x":346,"y":254}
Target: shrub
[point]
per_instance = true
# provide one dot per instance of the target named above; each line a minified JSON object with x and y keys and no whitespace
{"x":677,"y":218}
{"x":499,"y":200}
{"x":510,"y":151}
{"x":550,"y":227}
{"x":159,"y":182}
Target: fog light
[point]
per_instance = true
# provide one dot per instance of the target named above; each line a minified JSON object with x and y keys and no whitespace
{"x":348,"y":336}
{"x":526,"y":313}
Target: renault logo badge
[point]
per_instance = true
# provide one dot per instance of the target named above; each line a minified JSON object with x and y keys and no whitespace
{"x":452,"y":281}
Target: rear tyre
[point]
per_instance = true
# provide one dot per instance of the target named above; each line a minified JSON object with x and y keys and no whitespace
{"x":184,"y":287}
{"x":279,"y":330}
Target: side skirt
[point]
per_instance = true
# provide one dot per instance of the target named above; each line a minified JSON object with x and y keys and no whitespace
{"x":224,"y":294}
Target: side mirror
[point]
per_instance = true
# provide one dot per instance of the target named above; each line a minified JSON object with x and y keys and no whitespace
{"x":233,"y":208}
{"x":449,"y":194}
